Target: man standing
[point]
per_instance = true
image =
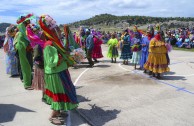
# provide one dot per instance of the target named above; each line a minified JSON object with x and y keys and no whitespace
{"x":89,"y":48}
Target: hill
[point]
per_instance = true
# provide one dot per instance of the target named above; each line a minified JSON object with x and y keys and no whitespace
{"x":3,"y":26}
{"x":121,"y":22}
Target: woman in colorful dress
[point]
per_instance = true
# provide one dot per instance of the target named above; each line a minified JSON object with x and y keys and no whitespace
{"x":33,"y":34}
{"x":112,"y":49}
{"x":97,"y":50}
{"x":59,"y":90}
{"x":11,"y":60}
{"x":157,"y":61}
{"x":136,"y":49}
{"x":125,"y":44}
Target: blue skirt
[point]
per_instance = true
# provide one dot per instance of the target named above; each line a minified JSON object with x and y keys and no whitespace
{"x":126,"y":52}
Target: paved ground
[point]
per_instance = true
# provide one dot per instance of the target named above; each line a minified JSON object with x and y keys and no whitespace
{"x":110,"y":94}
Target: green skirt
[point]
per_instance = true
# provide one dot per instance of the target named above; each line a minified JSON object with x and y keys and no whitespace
{"x":57,"y":95}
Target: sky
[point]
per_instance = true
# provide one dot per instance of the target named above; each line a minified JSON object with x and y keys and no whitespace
{"x":68,"y":11}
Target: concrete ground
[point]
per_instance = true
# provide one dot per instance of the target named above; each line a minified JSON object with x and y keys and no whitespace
{"x":110,"y":94}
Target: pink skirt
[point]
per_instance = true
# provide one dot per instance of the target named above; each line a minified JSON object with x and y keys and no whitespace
{"x":38,"y":79}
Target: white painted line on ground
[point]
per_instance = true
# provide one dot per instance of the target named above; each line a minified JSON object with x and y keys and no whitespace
{"x":68,"y":120}
{"x":123,"y":67}
{"x":75,"y":83}
{"x":163,"y":82}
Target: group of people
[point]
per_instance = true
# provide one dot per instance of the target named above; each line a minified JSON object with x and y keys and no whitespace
{"x":43,"y":48}
{"x":148,"y":49}
{"x":181,"y":37}
{"x":39,"y":47}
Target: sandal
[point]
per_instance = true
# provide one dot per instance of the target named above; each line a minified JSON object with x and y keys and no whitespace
{"x":63,"y":114}
{"x":29,"y":88}
{"x":55,"y":121}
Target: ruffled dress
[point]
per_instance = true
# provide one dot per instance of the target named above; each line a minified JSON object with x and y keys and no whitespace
{"x":97,"y":50}
{"x":157,"y":58}
{"x":112,"y":49}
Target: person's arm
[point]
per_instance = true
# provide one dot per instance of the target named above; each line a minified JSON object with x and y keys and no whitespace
{"x":51,"y":56}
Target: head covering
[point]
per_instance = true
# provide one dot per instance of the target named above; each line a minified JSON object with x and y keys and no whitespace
{"x":24,"y":17}
{"x":49,"y":28}
{"x":135,"y":29}
{"x":150,"y":29}
{"x":34,"y":38}
{"x":157,"y":28}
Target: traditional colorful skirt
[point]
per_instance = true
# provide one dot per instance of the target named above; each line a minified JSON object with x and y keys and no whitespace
{"x":157,"y":63}
{"x":38,"y":79}
{"x":136,"y":57}
{"x":126,"y":52}
{"x":11,"y":64}
{"x":60,"y":92}
{"x":112,"y":52}
{"x":144,"y":57}
{"x":97,"y":52}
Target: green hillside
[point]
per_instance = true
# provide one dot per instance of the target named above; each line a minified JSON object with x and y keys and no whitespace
{"x":108,"y":19}
{"x":3,"y":26}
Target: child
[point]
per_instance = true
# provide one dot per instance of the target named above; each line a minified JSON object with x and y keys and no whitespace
{"x":136,"y":49}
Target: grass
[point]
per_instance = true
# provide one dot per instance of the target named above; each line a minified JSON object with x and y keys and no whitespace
{"x":183,"y":49}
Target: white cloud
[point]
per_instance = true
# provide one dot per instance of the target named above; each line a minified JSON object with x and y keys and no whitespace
{"x":9,"y":19}
{"x":72,"y":10}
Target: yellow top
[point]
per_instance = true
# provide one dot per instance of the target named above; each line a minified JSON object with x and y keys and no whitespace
{"x":157,"y":46}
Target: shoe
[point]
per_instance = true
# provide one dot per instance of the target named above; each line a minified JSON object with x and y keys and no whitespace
{"x":150,"y":73}
{"x":158,"y":77}
{"x":15,"y":75}
{"x":89,"y":66}
{"x":55,"y":121}
{"x":63,"y":114}
{"x":29,"y":88}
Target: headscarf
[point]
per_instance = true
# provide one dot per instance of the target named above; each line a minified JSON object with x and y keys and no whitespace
{"x":34,"y":39}
{"x":24,"y":17}
{"x":48,"y":25}
{"x":158,"y":37}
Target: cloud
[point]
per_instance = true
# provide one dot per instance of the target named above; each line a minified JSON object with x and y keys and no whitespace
{"x":74,"y":10}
